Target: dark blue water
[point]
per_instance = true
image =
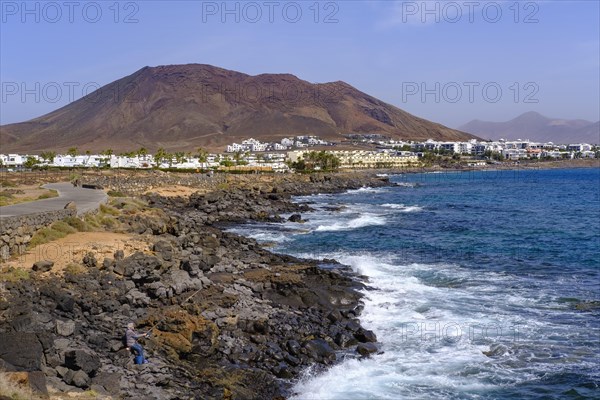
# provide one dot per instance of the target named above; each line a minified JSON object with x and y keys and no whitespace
{"x":479,"y":280}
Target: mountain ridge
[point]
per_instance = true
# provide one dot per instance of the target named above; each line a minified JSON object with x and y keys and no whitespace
{"x":186,"y":106}
{"x":536,"y":127}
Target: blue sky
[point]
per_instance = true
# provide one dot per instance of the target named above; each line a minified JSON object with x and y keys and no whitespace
{"x":446,"y":61}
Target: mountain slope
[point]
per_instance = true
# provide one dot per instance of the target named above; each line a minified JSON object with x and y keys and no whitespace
{"x":180,"y":107}
{"x":536,"y":127}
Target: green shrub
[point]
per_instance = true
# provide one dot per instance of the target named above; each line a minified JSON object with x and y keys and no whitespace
{"x":107,"y":221}
{"x":63,"y":227}
{"x":12,"y":274}
{"x":49,"y":195}
{"x":45,"y":235}
{"x":115,"y":193}
{"x":106,"y":209}
{"x":74,"y":269}
{"x":77,"y":223}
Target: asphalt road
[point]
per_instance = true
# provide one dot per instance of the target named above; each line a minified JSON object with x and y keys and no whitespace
{"x":85,"y":200}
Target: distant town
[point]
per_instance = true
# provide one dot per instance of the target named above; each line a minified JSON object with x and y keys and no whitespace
{"x":303,"y":151}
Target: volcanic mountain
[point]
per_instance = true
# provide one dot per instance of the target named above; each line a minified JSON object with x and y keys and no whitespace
{"x":538,"y":128}
{"x":181,"y":107}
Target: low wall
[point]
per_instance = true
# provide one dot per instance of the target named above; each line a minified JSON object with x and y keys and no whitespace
{"x":16,"y":232}
{"x":132,"y":183}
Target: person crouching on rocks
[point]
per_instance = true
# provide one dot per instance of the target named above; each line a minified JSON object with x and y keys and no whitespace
{"x":132,"y":344}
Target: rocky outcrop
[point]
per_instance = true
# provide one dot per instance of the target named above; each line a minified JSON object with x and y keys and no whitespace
{"x":228,"y":319}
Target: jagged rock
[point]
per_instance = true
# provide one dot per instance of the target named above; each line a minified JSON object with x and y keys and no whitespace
{"x":43,"y":266}
{"x":89,"y":260}
{"x":365,"y":336}
{"x":84,"y":360}
{"x":343,"y":339}
{"x":319,"y":350}
{"x":119,"y":255}
{"x":21,"y":350}
{"x":238,"y":337}
{"x":164,"y":250}
{"x":108,"y":263}
{"x":295,"y":218}
{"x":109,"y":381}
{"x":77,"y":378}
{"x":365,"y":349}
{"x":65,"y":328}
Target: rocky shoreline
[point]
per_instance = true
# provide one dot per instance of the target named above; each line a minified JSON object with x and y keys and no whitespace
{"x":229,"y":319}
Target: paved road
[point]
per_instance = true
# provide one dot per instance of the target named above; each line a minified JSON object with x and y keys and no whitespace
{"x":85,"y":199}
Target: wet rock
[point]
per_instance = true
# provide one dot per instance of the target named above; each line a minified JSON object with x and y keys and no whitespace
{"x":293,"y":347}
{"x":344,"y":339}
{"x":496,"y":350}
{"x":365,"y":336}
{"x":366,"y":349}
{"x":319,"y":350}
{"x":295,"y":218}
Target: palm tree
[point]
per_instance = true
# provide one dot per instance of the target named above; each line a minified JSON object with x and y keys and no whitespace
{"x":180,"y":157}
{"x":159,"y":156}
{"x":72,"y":151}
{"x":142,"y":153}
{"x":202,"y":155}
{"x":48,"y":156}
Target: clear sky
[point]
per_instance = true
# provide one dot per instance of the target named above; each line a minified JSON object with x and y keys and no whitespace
{"x":446,"y":61}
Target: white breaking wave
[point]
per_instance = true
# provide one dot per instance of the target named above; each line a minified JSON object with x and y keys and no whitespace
{"x":428,"y":349}
{"x":360,"y":222}
{"x":403,"y":208}
{"x":364,"y":190}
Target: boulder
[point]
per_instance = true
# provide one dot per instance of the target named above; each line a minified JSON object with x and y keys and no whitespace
{"x":109,"y":381}
{"x":344,"y":339}
{"x":89,"y":260}
{"x":70,"y":206}
{"x":119,"y":255}
{"x":83,"y":360}
{"x":365,"y":336}
{"x":77,"y":378}
{"x":295,"y":218}
{"x":43,"y":266}
{"x":366,"y":349}
{"x":319,"y":350}
{"x":21,"y":350}
{"x":164,"y":250}
{"x":65,"y":328}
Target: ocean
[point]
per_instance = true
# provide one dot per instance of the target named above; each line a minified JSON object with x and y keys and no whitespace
{"x":479,"y":284}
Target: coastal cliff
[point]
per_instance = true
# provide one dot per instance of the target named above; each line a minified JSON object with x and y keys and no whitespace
{"x":229,"y":319}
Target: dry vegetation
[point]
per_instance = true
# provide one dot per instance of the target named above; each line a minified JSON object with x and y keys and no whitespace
{"x":66,"y":242}
{"x":24,"y":193}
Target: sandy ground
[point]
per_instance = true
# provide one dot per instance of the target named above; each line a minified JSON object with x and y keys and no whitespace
{"x":26,"y":193}
{"x":72,"y":249}
{"x":177,"y":190}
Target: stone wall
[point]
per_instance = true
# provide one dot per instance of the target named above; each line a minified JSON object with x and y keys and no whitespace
{"x":16,"y":232}
{"x":137,"y":183}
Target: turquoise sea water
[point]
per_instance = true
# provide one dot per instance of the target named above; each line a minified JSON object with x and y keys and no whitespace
{"x":475,"y":280}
